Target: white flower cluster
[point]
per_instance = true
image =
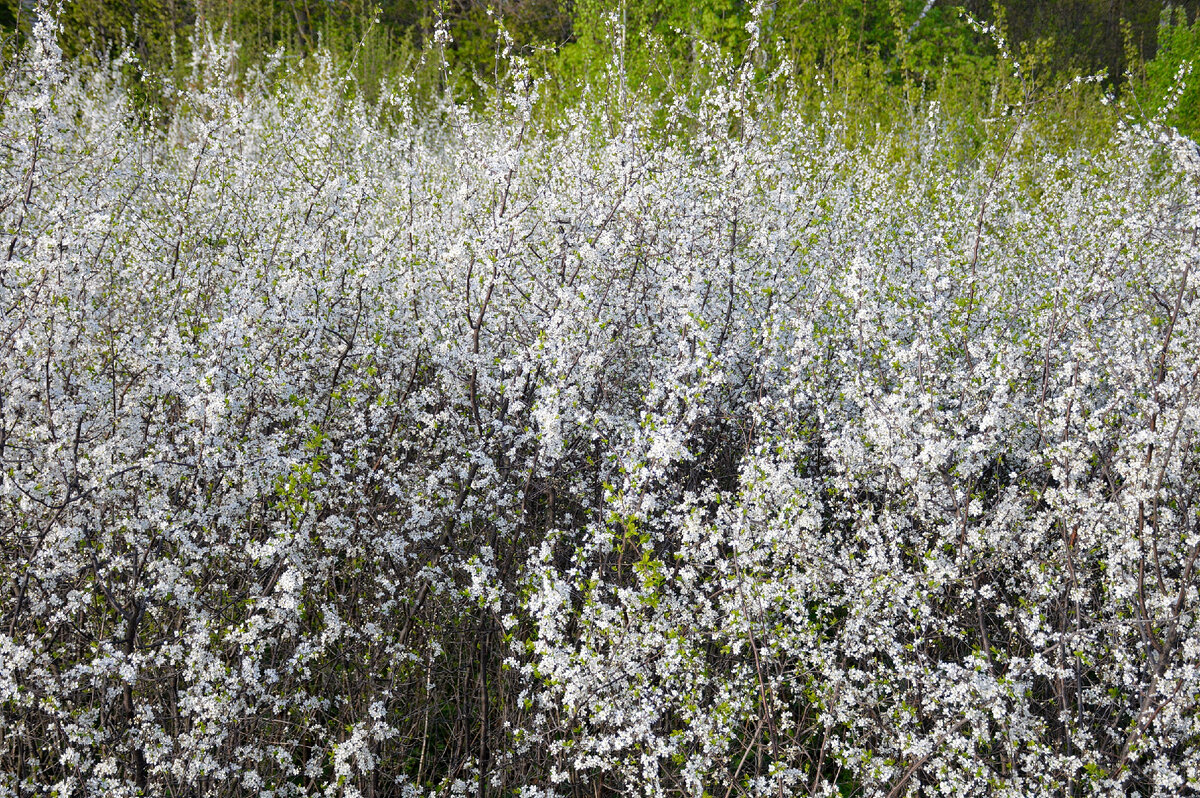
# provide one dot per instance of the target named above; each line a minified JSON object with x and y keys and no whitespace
{"x":391,"y":450}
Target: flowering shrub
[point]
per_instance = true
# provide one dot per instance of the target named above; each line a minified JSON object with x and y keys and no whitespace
{"x":357,"y":449}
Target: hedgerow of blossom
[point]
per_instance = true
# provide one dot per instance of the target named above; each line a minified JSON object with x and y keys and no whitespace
{"x":394,"y":449}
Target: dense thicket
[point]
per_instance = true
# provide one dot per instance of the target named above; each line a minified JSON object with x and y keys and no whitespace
{"x":684,"y":443}
{"x":1086,"y":34}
